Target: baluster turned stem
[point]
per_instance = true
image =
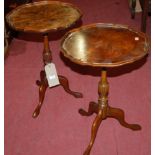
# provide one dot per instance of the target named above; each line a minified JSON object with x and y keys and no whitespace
{"x":47,"y":54}
{"x":103,"y":89}
{"x":104,"y":75}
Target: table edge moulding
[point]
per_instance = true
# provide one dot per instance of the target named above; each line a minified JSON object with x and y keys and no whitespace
{"x":27,"y":23}
{"x":101,"y":108}
{"x":39,"y":3}
{"x":104,"y":64}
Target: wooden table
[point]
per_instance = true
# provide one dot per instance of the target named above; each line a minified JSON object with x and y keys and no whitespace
{"x":44,"y":17}
{"x":8,"y":33}
{"x":104,"y":45}
{"x":145,"y":9}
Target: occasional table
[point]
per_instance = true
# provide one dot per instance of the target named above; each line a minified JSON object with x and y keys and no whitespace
{"x":44,"y":17}
{"x":104,"y":45}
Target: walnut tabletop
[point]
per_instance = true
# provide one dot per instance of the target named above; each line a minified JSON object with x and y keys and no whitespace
{"x":43,"y":16}
{"x":104,"y":45}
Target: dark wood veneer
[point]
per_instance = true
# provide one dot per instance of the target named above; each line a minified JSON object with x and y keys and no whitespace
{"x":104,"y":45}
{"x":43,"y":17}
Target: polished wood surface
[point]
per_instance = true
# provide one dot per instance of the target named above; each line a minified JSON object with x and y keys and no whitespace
{"x":43,"y":84}
{"x":104,"y":45}
{"x":144,"y":15}
{"x":43,"y":16}
{"x":9,"y":34}
{"x":103,"y":111}
{"x":133,"y":7}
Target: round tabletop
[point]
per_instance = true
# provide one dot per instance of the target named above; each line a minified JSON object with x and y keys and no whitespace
{"x":43,"y":16}
{"x":104,"y":45}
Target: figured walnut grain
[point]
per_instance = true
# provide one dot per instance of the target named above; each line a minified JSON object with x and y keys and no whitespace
{"x":43,"y":16}
{"x":104,"y":45}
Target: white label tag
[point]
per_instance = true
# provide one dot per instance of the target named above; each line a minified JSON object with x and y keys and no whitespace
{"x":51,"y":75}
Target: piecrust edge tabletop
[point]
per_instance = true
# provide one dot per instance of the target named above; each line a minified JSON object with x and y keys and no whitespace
{"x":102,"y":64}
{"x":42,"y":20}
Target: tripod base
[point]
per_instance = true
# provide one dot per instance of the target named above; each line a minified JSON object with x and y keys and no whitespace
{"x":103,"y":111}
{"x":109,"y":112}
{"x":43,"y":84}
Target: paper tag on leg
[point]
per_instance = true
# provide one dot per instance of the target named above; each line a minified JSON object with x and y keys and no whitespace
{"x":51,"y":75}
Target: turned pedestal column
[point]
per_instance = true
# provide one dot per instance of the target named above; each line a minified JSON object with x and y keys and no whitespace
{"x":103,"y":111}
{"x":44,"y":17}
{"x":104,"y":45}
{"x":43,"y":84}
